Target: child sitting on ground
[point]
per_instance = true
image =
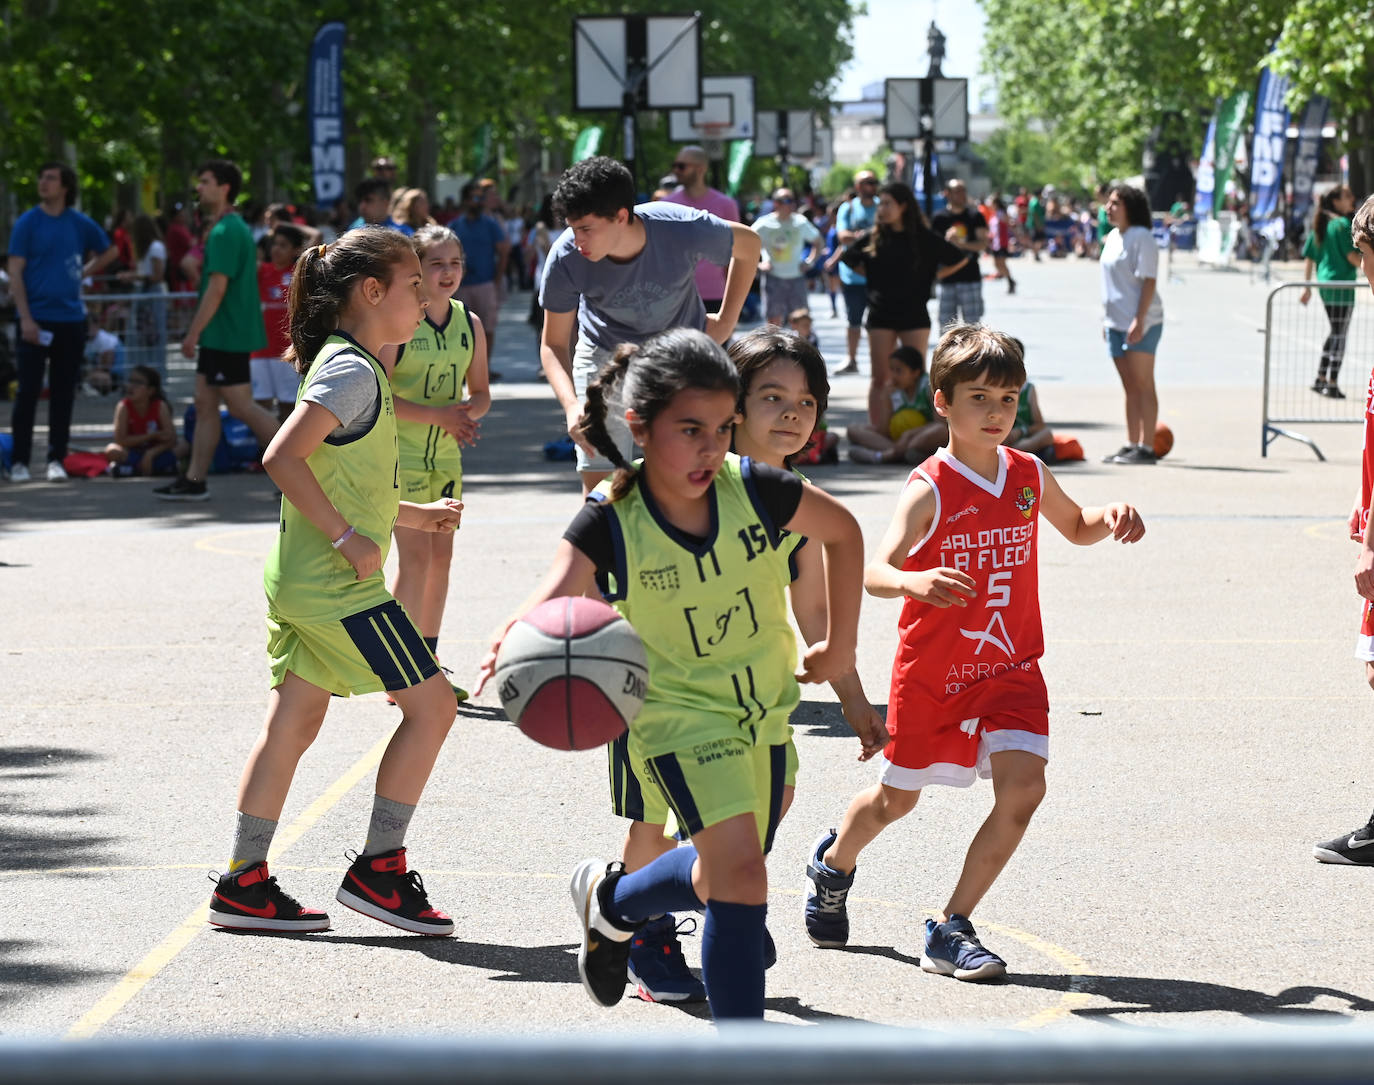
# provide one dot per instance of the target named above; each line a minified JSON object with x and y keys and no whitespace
{"x":908,"y":429}
{"x":145,"y":436}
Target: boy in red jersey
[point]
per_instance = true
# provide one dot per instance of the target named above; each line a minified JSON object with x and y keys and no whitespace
{"x":1357,"y":848}
{"x":967,"y":698}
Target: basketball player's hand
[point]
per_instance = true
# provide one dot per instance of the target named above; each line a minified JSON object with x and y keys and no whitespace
{"x":487,"y":667}
{"x":454,"y":421}
{"x":188,"y":347}
{"x":446,"y":514}
{"x":1364,"y":573}
{"x":574,"y":416}
{"x":1356,"y":531}
{"x":822,"y":663}
{"x":1305,"y":296}
{"x":363,"y":554}
{"x":1125,"y":523}
{"x":941,"y":587}
{"x":868,"y":724}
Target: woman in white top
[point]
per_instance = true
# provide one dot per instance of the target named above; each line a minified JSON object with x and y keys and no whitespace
{"x":1134,"y":316}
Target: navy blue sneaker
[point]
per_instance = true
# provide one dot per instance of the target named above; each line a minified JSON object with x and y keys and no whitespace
{"x":827,"y":918}
{"x":953,"y":949}
{"x":657,"y":967}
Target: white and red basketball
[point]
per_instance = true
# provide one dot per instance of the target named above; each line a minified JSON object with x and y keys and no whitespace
{"x":572,"y":673}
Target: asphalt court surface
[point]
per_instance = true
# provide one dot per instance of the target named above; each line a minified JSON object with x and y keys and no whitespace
{"x":1208,"y":724}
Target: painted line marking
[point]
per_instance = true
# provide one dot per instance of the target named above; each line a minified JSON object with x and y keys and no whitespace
{"x":166,"y":951}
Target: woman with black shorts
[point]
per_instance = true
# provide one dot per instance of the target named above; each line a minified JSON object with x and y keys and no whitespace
{"x":901,"y":258}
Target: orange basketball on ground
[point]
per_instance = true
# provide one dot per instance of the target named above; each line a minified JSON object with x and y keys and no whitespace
{"x":1164,"y":440}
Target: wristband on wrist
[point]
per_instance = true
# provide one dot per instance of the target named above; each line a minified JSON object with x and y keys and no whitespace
{"x":344,"y":537}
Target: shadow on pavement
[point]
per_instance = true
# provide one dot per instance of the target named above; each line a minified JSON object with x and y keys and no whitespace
{"x":516,"y":964}
{"x":824,"y":719}
{"x":1138,"y":994}
{"x":22,"y":847}
{"x":20,"y":978}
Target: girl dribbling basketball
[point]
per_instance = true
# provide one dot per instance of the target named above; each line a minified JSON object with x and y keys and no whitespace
{"x":689,"y":548}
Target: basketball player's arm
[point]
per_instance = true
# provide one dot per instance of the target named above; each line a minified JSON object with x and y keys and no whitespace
{"x":1364,"y":564}
{"x":285,"y":463}
{"x":205,"y":312}
{"x":1085,"y":526}
{"x":824,"y":520}
{"x":556,"y":359}
{"x":739,"y":277}
{"x":478,"y":376}
{"x":884,"y":576}
{"x":572,"y":573}
{"x":808,"y":607}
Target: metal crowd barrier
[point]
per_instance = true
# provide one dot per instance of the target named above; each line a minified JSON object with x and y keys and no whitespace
{"x":758,"y":1054}
{"x":1296,"y":337}
{"x":149,"y":326}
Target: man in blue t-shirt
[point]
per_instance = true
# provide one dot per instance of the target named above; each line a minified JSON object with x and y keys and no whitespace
{"x":853,"y":217}
{"x":53,"y":247}
{"x":622,"y":272}
{"x":485,"y":249}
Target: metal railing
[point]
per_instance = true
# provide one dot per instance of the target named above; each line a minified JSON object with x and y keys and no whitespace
{"x":1332,"y":334}
{"x":759,"y":1054}
{"x":148,"y":326}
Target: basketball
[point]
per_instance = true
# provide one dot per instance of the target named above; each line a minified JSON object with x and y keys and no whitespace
{"x":572,"y":673}
{"x":904,"y":419}
{"x":1164,"y":440}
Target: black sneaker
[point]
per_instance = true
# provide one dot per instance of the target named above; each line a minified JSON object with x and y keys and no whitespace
{"x":183,"y":489}
{"x":1354,"y":849}
{"x":252,"y":901}
{"x":1135,"y":455}
{"x":1112,"y":457}
{"x":380,"y":886}
{"x":604,"y":957}
{"x":1333,"y":391}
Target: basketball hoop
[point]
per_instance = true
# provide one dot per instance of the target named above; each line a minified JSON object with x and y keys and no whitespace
{"x":713,"y":140}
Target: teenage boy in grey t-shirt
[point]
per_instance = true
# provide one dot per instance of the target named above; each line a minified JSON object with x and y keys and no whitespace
{"x":623,"y":272}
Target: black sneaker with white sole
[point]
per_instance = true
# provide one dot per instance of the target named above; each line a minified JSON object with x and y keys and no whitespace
{"x":1351,"y":849}
{"x":380,"y":886}
{"x":604,"y":956}
{"x":251,"y":900}
{"x":183,"y":489}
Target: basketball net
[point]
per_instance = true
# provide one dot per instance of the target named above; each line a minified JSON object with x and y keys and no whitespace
{"x":713,"y":140}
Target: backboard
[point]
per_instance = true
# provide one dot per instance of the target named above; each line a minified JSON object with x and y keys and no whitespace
{"x":800,"y":128}
{"x":943,"y":101}
{"x":657,"y":57}
{"x":726,"y":111}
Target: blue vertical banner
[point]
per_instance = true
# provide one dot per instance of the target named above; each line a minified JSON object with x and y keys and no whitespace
{"x":1266,"y":155}
{"x":1206,"y":173}
{"x":324,"y":98}
{"x":1307,"y":154}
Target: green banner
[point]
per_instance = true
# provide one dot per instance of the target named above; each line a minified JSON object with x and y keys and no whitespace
{"x":1230,"y":120}
{"x":588,"y":143}
{"x":481,"y":148}
{"x":741,"y":151}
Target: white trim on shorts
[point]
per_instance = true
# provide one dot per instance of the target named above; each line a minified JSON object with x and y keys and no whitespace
{"x":1364,"y":648}
{"x":951,"y":775}
{"x":273,"y":378}
{"x":587,"y":361}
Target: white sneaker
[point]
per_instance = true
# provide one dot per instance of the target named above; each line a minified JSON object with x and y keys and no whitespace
{"x":56,"y":472}
{"x":19,"y":473}
{"x":859,"y":454}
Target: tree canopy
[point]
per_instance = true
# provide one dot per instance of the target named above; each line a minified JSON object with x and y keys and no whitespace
{"x":1100,"y":74}
{"x":149,"y":88}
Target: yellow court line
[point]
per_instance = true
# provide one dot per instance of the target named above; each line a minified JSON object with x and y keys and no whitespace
{"x":211,"y":543}
{"x":276,"y":868}
{"x":166,"y":951}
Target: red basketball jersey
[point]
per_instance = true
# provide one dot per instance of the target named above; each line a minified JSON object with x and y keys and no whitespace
{"x":964,"y":662}
{"x":274,"y":284}
{"x":1367,"y":472}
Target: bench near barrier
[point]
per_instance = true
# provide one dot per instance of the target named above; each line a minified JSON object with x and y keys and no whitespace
{"x":1294,"y":338}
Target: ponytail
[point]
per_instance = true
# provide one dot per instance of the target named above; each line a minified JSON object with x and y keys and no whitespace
{"x":602,"y":393}
{"x":322,"y":283}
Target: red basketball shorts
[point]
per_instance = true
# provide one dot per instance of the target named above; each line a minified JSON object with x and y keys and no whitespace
{"x":957,"y":752}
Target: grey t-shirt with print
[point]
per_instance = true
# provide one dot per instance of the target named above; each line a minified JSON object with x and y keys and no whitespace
{"x":346,"y":386}
{"x":630,"y":301}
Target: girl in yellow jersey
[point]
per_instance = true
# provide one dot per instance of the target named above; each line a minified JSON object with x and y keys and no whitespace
{"x":333,"y":628}
{"x":689,"y":548}
{"x":433,"y":420}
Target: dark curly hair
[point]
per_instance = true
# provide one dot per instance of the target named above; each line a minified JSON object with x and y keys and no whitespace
{"x":598,"y":186}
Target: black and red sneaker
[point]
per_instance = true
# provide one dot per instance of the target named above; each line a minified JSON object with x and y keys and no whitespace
{"x":251,"y":900}
{"x":380,"y":886}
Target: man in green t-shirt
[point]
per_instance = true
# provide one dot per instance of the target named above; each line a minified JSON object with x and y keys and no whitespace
{"x":227,"y":328}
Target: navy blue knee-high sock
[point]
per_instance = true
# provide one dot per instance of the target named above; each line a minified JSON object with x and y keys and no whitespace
{"x":732,"y":959}
{"x":665,"y":885}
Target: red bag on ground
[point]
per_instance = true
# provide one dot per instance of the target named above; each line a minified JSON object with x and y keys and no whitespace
{"x":1067,"y":448}
{"x":85,"y":464}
